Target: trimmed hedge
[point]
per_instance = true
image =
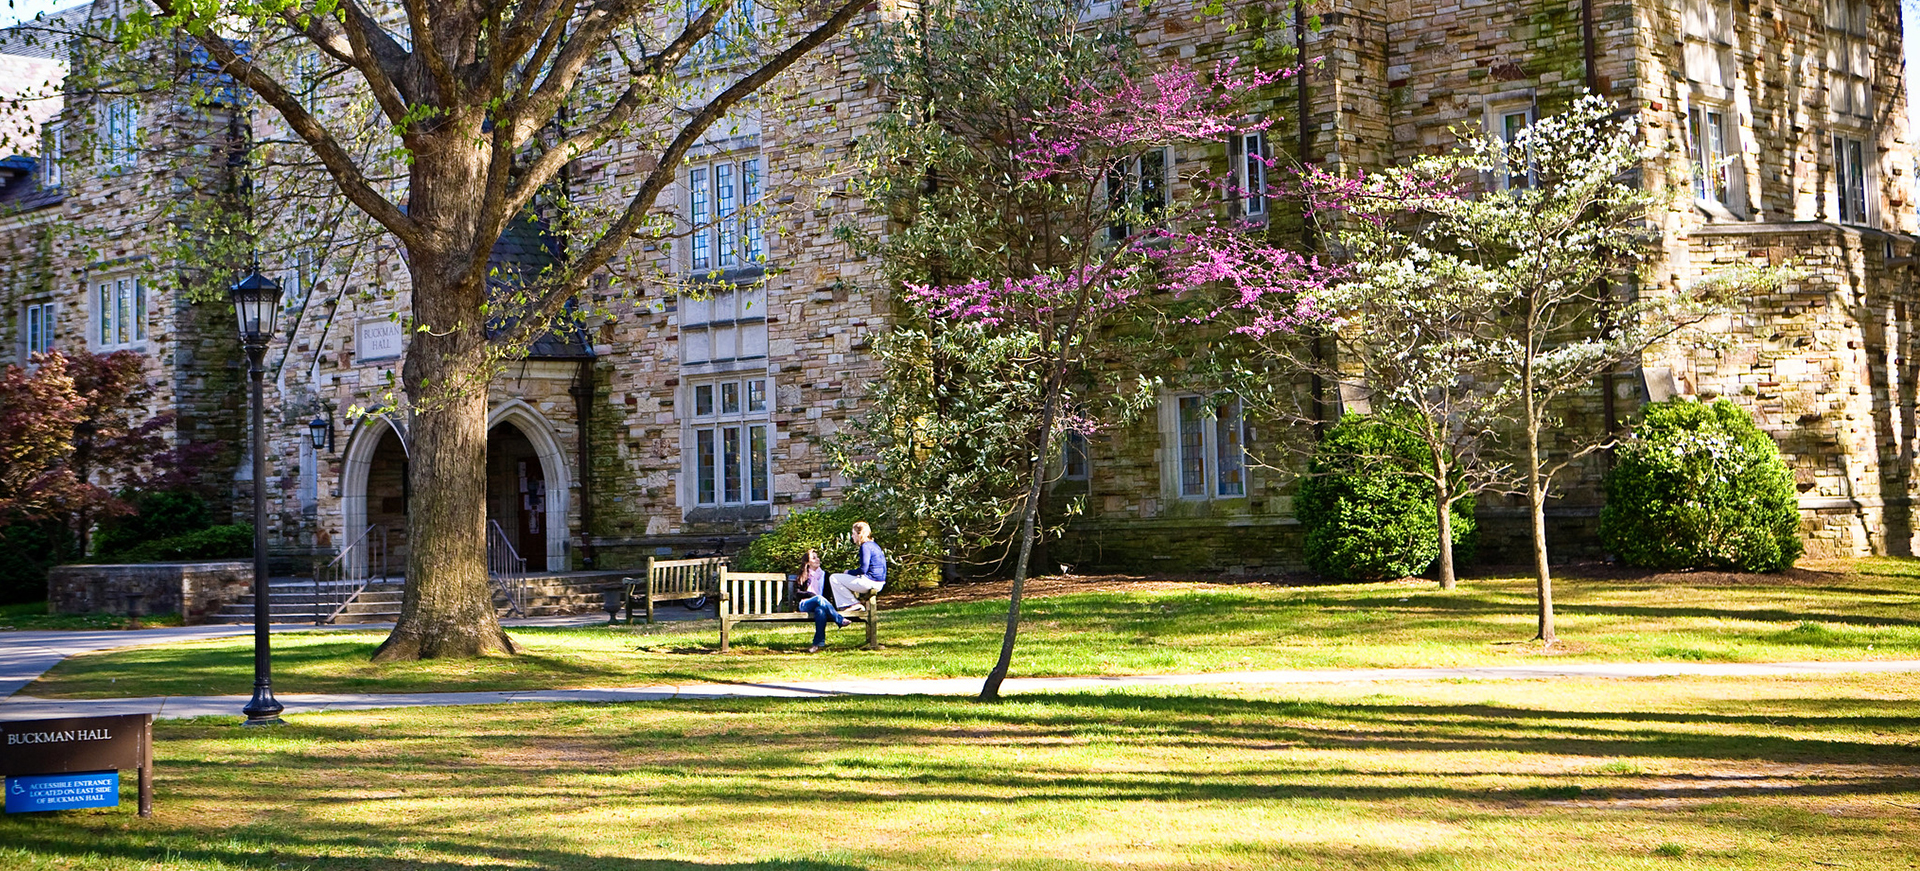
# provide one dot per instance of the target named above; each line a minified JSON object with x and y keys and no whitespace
{"x":1699,"y":486}
{"x":1366,"y":518}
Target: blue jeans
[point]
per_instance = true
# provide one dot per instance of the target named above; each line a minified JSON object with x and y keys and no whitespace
{"x":822,"y":611}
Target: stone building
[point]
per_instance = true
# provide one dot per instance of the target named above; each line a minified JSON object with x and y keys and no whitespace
{"x":84,"y":240}
{"x":681,"y":423}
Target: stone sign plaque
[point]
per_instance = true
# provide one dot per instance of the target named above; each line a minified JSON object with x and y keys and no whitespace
{"x":379,"y":340}
{"x":76,"y":745}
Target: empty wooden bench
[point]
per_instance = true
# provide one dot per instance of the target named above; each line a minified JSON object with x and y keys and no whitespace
{"x":767,"y":597}
{"x":673,"y":580}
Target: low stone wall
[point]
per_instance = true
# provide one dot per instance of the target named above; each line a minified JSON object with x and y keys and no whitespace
{"x":192,"y":590}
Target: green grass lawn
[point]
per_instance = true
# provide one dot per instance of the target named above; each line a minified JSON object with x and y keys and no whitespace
{"x":1864,"y":610}
{"x":1787,"y":773}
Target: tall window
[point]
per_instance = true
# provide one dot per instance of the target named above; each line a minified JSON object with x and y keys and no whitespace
{"x":1074,"y":456}
{"x":1138,"y":187}
{"x":119,"y":133}
{"x":306,"y":80}
{"x":38,"y":327}
{"x":1707,"y":144}
{"x":732,"y":434}
{"x":731,"y":34}
{"x":722,"y":199}
{"x":1849,"y":63}
{"x":1212,"y":447}
{"x":1708,"y":32}
{"x":120,"y":313}
{"x":1519,"y":170}
{"x":1850,"y":179}
{"x":728,"y":326}
{"x":53,"y":146}
{"x":1249,"y":155}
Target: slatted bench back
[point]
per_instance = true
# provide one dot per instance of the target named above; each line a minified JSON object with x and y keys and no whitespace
{"x":744,"y":593}
{"x":690,"y":577}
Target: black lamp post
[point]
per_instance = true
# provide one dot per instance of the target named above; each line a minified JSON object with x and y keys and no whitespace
{"x":256,"y":302}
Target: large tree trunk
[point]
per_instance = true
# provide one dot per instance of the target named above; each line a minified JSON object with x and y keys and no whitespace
{"x":448,"y":606}
{"x":990,"y":691}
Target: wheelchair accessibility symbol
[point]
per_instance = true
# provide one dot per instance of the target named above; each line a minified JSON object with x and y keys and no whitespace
{"x":18,"y":788}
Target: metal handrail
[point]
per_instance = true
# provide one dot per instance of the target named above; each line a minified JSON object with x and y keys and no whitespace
{"x":506,"y":569}
{"x":354,"y":559}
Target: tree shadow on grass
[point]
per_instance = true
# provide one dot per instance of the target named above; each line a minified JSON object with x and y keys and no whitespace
{"x":737,"y":765}
{"x":314,"y":846}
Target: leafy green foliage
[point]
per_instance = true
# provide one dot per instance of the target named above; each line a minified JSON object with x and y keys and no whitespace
{"x":1368,"y":507}
{"x":1699,"y":486}
{"x":943,"y":452}
{"x":213,"y":542}
{"x":27,"y":551}
{"x":156,"y":515}
{"x":785,"y":548}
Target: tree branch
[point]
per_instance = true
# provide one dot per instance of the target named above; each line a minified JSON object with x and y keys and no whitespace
{"x":616,"y":236}
{"x":353,"y":181}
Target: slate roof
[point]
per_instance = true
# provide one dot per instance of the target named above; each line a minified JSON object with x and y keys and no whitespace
{"x":45,"y":36}
{"x":20,"y":188}
{"x":526,"y":249}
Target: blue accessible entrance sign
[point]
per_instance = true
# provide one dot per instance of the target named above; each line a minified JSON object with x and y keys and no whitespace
{"x":59,"y":792}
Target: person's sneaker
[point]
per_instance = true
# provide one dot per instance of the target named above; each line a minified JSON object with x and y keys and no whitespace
{"x":854,"y":608}
{"x":814,"y":649}
{"x":843,"y":622}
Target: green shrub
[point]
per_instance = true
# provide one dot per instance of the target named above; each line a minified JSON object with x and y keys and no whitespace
{"x":829,"y":530}
{"x":785,"y":548}
{"x":1366,"y":517}
{"x":27,"y":550}
{"x":1699,"y":486}
{"x":157,"y":515}
{"x":214,"y":542}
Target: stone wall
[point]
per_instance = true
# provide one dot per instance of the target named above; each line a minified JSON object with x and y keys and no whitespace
{"x":192,"y":590}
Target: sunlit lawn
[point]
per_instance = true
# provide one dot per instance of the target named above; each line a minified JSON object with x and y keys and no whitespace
{"x":1868,"y":610}
{"x":1789,"y":773}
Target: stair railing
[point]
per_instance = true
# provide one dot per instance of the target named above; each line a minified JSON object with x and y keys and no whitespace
{"x":360,"y":563}
{"x":506,"y":569}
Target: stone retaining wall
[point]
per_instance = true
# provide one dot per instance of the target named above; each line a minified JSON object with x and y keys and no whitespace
{"x":192,"y":590}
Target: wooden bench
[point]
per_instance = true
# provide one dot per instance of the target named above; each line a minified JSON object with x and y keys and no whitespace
{"x":767,"y":597}
{"x":673,"y":580}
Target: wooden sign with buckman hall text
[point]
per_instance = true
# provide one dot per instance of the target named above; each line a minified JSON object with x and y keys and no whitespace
{"x":75,"y":745}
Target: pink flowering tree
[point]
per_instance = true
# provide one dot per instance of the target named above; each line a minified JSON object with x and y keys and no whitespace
{"x":1044,"y":197}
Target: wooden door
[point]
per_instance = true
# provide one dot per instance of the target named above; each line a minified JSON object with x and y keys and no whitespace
{"x":532,"y":535}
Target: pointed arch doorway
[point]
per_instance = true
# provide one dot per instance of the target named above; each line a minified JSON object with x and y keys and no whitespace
{"x":527,"y":485}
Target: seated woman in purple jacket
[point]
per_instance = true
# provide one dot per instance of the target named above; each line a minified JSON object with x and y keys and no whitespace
{"x":868,"y":578}
{"x":813,"y":584}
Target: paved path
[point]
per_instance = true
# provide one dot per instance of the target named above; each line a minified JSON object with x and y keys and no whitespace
{"x":25,"y":708}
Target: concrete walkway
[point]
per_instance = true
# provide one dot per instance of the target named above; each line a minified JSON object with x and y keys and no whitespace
{"x":27,"y":708}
